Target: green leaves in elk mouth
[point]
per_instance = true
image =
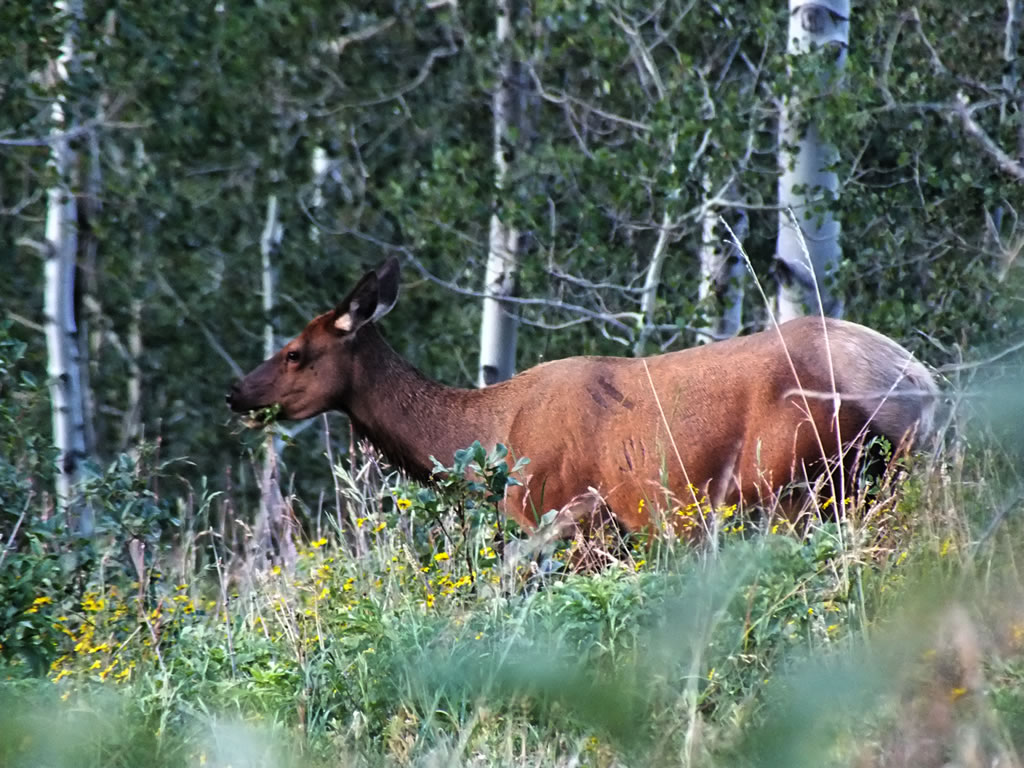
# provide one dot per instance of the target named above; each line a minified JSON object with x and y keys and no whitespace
{"x":264,"y":417}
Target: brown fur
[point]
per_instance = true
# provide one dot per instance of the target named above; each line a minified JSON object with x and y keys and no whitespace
{"x":733,"y":421}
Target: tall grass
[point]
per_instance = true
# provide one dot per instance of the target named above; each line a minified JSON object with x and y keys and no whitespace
{"x":891,"y":637}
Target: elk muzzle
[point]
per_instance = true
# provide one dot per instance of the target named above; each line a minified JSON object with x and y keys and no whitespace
{"x":240,"y":401}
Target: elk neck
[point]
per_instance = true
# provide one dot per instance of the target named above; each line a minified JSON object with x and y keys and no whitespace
{"x":408,"y":416}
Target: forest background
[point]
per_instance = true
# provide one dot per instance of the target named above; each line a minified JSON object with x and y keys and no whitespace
{"x":226,"y":172}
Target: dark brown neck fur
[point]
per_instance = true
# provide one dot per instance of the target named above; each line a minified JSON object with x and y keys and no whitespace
{"x":408,"y":416}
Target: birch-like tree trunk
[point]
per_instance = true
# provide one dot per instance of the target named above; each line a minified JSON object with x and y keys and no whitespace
{"x":320,"y":165}
{"x":652,"y":279}
{"x":498,"y":324}
{"x":59,"y":299}
{"x":810,"y":256}
{"x":90,"y":331}
{"x":1011,"y":94}
{"x":273,"y":530}
{"x":720,"y":289}
{"x":131,"y":424}
{"x":1011,"y":66}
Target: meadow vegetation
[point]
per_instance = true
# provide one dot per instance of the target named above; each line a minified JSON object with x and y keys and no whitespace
{"x":413,"y":625}
{"x":891,"y":636}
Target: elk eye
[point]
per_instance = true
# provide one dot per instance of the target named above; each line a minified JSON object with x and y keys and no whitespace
{"x":292,"y":356}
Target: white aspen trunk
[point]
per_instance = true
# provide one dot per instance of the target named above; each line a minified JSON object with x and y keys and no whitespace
{"x":649,"y":296}
{"x":131,"y":424}
{"x":1011,"y":75}
{"x":498,"y":325}
{"x":320,"y":165}
{"x":810,"y":257}
{"x":721,"y":274}
{"x":90,"y":333}
{"x":273,"y":529}
{"x":1011,"y":67}
{"x":131,"y":430}
{"x":270,"y":241}
{"x":1011,"y":41}
{"x":59,"y":298}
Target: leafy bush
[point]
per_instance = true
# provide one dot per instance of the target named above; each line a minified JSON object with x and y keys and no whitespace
{"x":756,"y":648}
{"x":33,"y":569}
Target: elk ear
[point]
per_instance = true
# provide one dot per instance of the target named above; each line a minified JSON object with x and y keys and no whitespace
{"x":372,"y":298}
{"x":387,"y":287}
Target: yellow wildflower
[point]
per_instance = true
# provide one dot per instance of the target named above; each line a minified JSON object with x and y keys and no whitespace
{"x":108,"y":670}
{"x":91,"y":604}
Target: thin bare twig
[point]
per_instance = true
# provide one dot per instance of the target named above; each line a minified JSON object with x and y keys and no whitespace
{"x":210,"y":338}
{"x":57,"y":137}
{"x":953,"y":367}
{"x":1006,"y":163}
{"x":997,"y":519}
{"x":338,"y":45}
{"x":22,"y":320}
{"x":10,"y":539}
{"x":417,"y":80}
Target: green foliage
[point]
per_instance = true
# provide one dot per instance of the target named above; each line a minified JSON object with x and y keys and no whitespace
{"x":477,"y":474}
{"x":428,"y":645}
{"x":32,"y":567}
{"x":764,"y":644}
{"x":779,"y":648}
{"x":632,"y":111}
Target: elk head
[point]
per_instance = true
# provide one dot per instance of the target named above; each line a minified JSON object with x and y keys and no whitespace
{"x":315,"y":371}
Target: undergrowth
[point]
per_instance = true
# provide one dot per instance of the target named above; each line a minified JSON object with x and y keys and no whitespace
{"x":893,"y":636}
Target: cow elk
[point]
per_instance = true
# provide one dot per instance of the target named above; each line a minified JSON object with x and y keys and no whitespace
{"x":732,"y":422}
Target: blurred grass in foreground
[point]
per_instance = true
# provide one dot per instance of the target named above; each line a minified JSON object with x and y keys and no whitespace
{"x":892,"y":638}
